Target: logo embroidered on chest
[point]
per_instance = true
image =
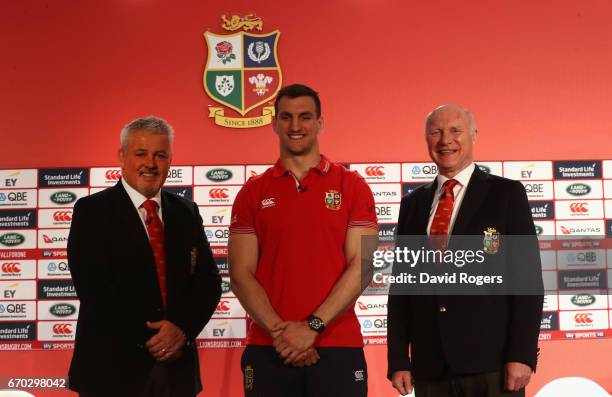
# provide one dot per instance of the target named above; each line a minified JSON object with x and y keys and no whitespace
{"x":269,"y":202}
{"x":333,"y":200}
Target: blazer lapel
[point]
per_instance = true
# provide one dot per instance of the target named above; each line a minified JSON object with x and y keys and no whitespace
{"x":424,"y":209}
{"x":477,"y":191}
{"x":131,"y":222}
{"x":173,"y":233}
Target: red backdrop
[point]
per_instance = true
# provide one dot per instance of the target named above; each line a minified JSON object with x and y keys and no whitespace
{"x":536,"y":75}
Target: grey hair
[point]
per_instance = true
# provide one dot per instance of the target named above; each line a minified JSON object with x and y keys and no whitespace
{"x":466,"y":112}
{"x":154,"y":125}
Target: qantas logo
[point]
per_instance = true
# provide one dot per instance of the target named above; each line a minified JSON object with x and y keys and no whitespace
{"x":583,"y":318}
{"x":362,"y":306}
{"x":579,"y":208}
{"x":62,"y":216}
{"x":112,"y":175}
{"x":62,"y":329}
{"x":51,"y":240}
{"x":573,"y":230}
{"x":218,"y":193}
{"x":223,"y":306}
{"x":375,"y":170}
{"x":11,"y":267}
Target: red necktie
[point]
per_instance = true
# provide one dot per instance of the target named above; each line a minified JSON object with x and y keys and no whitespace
{"x":156,"y":238}
{"x":438,"y":234}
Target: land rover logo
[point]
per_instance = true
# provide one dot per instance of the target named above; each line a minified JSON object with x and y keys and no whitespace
{"x":63,"y":197}
{"x":578,"y":189}
{"x":539,"y":230}
{"x":219,"y":174}
{"x":225,"y":287}
{"x":583,"y":299}
{"x":62,"y":309}
{"x":484,"y":168}
{"x":11,"y":239}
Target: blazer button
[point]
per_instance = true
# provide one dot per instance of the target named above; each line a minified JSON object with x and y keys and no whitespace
{"x":442,"y":309}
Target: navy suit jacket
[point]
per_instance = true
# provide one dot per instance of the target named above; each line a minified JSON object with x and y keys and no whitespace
{"x":434,"y":335}
{"x":115,"y":277}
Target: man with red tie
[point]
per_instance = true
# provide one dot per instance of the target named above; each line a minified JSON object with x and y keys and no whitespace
{"x":145,"y":276}
{"x":465,"y":345}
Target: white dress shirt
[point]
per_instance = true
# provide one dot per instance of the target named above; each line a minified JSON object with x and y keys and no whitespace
{"x":463,"y":178}
{"x":138,"y":199}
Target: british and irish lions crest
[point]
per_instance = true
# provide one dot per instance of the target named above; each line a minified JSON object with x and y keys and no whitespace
{"x":242,"y":71}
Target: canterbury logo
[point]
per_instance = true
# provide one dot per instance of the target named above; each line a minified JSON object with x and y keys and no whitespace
{"x":11,"y":267}
{"x":223,"y":306}
{"x":362,"y":306}
{"x":583,"y":318}
{"x":62,"y":329}
{"x":375,"y":170}
{"x":62,"y":216}
{"x":112,"y":175}
{"x":579,"y":208}
{"x":218,"y":193}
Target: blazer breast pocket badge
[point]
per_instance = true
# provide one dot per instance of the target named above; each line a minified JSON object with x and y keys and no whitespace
{"x":491,"y":241}
{"x":194,"y":260}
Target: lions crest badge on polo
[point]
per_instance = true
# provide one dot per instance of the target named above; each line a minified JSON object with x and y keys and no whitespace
{"x":333,"y":200}
{"x":242,"y":71}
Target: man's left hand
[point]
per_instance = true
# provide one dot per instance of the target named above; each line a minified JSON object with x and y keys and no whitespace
{"x":296,"y":338}
{"x":517,"y":375}
{"x":167,"y":344}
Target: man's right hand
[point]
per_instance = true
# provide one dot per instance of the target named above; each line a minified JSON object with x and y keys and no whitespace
{"x":402,"y":382}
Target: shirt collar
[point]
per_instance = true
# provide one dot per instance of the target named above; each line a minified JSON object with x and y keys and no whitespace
{"x":322,"y":168}
{"x":137,"y":198}
{"x":462,"y":177}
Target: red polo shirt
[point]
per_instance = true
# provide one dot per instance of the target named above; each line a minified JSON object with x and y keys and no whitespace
{"x":301,"y":229}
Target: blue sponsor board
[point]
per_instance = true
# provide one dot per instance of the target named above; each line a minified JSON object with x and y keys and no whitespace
{"x":185,"y":192}
{"x":581,"y":279}
{"x":584,"y":169}
{"x":17,"y":331}
{"x":542,"y":210}
{"x":222,"y":265}
{"x":56,"y":289}
{"x":550,"y":321}
{"x":63,"y":177}
{"x":408,"y":188}
{"x":608,"y":227}
{"x":17,"y":219}
{"x":386,"y":232}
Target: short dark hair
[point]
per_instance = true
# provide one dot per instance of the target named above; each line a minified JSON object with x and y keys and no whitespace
{"x":298,"y":90}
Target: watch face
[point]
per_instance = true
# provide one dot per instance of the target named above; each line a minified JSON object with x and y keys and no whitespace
{"x":316,"y":323}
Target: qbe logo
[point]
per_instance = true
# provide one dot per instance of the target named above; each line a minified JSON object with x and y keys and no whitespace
{"x":23,"y":198}
{"x":215,"y":195}
{"x":373,"y":325}
{"x":17,"y":179}
{"x":419,"y":172}
{"x":388,"y":172}
{"x":52,"y":331}
{"x":25,"y":310}
{"x":571,"y":259}
{"x":541,"y":190}
{"x":224,"y":329}
{"x":387,"y":213}
{"x":179,"y":176}
{"x":528,"y":170}
{"x":217,"y":235}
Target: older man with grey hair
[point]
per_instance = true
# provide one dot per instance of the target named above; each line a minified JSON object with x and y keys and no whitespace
{"x":472,"y":345}
{"x":145,"y":276}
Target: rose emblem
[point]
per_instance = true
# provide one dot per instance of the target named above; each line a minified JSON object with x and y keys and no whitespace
{"x":224,"y":51}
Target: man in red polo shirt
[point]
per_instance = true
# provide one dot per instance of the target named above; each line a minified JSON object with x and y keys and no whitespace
{"x":295,"y":263}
